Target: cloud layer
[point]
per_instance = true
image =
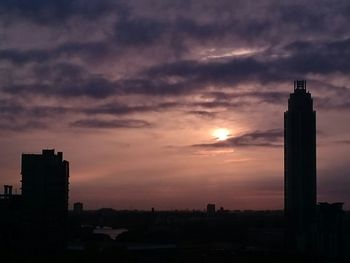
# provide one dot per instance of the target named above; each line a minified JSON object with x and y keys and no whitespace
{"x":173,"y":49}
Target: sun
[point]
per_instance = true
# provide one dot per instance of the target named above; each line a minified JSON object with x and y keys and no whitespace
{"x":221,"y":134}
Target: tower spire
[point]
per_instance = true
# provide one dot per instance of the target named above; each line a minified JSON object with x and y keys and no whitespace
{"x":300,"y":85}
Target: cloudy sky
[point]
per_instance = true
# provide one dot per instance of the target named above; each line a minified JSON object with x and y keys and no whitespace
{"x":135,"y":93}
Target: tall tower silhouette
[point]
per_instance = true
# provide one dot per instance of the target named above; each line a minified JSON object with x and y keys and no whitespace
{"x":300,"y":169}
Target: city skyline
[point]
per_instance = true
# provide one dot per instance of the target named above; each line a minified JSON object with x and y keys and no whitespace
{"x":173,"y":105}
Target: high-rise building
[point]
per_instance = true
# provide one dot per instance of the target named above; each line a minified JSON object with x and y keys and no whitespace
{"x":45,"y":182}
{"x":300,"y":168}
{"x":45,"y":196}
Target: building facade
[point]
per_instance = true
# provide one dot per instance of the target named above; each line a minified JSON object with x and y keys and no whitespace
{"x":45,"y":197}
{"x":300,"y":169}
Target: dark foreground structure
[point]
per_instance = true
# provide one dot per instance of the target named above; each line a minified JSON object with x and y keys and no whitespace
{"x":36,"y":221}
{"x":315,"y":230}
{"x":300,"y":169}
{"x":45,"y":199}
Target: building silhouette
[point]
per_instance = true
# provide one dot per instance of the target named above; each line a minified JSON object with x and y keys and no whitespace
{"x":300,"y":169}
{"x":8,"y":200}
{"x":45,"y":198}
{"x":210,"y":209}
{"x":10,"y":219}
{"x":78,"y":207}
{"x":330,"y":230}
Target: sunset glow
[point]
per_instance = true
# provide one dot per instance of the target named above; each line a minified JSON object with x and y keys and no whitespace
{"x":221,"y":134}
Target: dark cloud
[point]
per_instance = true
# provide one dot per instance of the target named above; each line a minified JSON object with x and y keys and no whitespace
{"x":284,"y":59}
{"x":86,"y":50}
{"x":202,"y":113}
{"x":110,"y":124}
{"x":274,"y":97}
{"x":222,"y":17}
{"x":15,"y":116}
{"x":18,"y":117}
{"x":50,"y":12}
{"x":318,"y":57}
{"x":266,"y":138}
{"x":64,"y":80}
{"x":95,"y":88}
{"x":300,"y":60}
{"x":220,"y":104}
{"x":189,"y":28}
{"x":90,"y":51}
{"x":14,"y":125}
{"x":69,"y":80}
{"x":10,"y":106}
{"x":121,"y":109}
{"x":231,"y":71}
{"x":20,"y":57}
{"x":153,"y":87}
{"x":138,"y":31}
{"x":303,"y":58}
{"x":15,"y":109}
{"x":334,"y":103}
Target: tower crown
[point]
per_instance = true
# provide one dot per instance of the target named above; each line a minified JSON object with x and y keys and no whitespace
{"x":300,"y":85}
{"x":300,"y":100}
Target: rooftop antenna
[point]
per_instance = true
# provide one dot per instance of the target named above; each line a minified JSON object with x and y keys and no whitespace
{"x":300,"y":85}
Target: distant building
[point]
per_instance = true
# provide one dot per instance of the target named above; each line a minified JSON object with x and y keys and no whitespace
{"x":300,"y":169}
{"x":78,"y":207}
{"x":221,"y":210}
{"x":7,"y":191}
{"x":45,"y":197}
{"x":10,"y":219}
{"x":330,"y":231}
{"x":210,"y":208}
{"x":9,"y":201}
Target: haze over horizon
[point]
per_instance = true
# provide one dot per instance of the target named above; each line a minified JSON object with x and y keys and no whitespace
{"x":173,"y":104}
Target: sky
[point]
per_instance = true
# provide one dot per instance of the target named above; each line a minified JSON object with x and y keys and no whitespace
{"x":134,"y":93}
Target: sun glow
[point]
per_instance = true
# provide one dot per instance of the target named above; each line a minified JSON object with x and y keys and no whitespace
{"x":221,"y":134}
